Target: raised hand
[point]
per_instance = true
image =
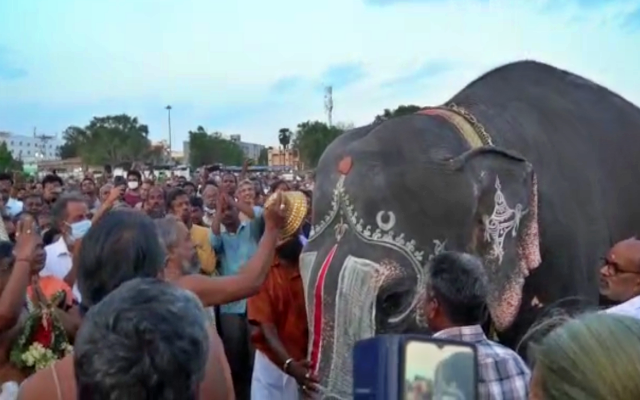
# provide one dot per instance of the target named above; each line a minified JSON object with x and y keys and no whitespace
{"x":275,"y":212}
{"x":27,"y":241}
{"x":115,"y":194}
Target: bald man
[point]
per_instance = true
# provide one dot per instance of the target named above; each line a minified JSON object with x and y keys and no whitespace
{"x":620,"y":277}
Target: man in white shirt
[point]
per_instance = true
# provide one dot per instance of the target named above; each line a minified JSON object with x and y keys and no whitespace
{"x":70,"y":215}
{"x":620,"y":278}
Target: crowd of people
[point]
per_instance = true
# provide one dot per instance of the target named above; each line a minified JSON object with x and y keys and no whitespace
{"x":131,"y":288}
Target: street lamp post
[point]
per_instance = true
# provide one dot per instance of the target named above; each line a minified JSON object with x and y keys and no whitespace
{"x":168,"y":108}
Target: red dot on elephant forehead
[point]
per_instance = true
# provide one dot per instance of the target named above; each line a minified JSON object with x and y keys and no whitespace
{"x":344,"y":166}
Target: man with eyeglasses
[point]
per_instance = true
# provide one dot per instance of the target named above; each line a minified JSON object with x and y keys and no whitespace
{"x":620,"y":278}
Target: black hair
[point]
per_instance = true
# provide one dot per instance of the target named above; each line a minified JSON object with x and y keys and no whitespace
{"x":458,"y":282}
{"x":121,"y":246}
{"x":4,"y":176}
{"x":135,"y":173}
{"x":147,"y":339}
{"x":52,"y":179}
{"x":49,"y":235}
{"x":290,"y":250}
{"x":235,"y":178}
{"x":172,"y":195}
{"x":188,"y":183}
{"x":196,"y":202}
{"x":277,"y":183}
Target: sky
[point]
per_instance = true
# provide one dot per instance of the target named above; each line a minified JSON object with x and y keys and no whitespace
{"x":251,"y":67}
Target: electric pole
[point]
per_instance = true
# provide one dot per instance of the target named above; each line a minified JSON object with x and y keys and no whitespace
{"x":328,"y":103}
{"x":42,"y":154}
{"x":168,"y":108}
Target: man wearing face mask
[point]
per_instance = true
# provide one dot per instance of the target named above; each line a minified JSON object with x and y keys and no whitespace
{"x":70,"y":215}
{"x":132,"y":195}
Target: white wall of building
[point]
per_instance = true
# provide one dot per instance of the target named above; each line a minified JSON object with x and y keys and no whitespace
{"x":31,"y":149}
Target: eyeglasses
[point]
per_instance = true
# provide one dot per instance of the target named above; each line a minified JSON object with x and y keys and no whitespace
{"x":615,"y":268}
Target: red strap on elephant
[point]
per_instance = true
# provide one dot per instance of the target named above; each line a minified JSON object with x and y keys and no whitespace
{"x":317,"y":309}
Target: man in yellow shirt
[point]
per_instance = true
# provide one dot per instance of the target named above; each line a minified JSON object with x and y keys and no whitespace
{"x":178,"y":204}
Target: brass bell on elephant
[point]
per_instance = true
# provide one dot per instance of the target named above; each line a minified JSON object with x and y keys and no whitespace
{"x":295,"y":211}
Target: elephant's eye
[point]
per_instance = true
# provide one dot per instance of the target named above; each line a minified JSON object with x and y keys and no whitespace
{"x":392,"y":303}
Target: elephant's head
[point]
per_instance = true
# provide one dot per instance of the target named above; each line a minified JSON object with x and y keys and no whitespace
{"x":387,"y":198}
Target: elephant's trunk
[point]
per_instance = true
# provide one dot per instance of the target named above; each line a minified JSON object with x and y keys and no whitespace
{"x":340,"y":313}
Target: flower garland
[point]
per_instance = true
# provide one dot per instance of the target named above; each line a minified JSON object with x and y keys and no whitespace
{"x":43,"y":339}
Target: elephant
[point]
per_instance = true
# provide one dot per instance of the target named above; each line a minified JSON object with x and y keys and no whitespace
{"x":529,"y":167}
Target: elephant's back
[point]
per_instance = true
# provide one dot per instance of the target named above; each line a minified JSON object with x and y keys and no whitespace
{"x":578,"y":135}
{"x":582,"y":140}
{"x":533,"y":108}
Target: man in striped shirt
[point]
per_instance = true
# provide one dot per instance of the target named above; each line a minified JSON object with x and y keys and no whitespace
{"x":455,"y":307}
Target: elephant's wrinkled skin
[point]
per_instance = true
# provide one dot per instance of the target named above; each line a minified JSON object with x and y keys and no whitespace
{"x":417,"y":177}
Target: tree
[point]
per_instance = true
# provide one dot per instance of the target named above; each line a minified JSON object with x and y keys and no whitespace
{"x":7,"y":162}
{"x":73,"y":137}
{"x":205,"y":148}
{"x":263,"y":158}
{"x":312,"y":138}
{"x":344,"y":126}
{"x":284,"y":137}
{"x":398,"y":112}
{"x":113,"y":139}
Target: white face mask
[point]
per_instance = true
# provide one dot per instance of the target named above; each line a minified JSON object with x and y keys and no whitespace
{"x":133,"y":185}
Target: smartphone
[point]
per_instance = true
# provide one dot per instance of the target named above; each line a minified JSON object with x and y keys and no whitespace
{"x":120,"y":182}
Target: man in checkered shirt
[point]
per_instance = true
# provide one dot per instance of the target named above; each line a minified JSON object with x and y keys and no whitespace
{"x":455,"y":307}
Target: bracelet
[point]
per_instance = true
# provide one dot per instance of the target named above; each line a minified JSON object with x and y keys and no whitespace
{"x":286,"y":364}
{"x":25,"y":260}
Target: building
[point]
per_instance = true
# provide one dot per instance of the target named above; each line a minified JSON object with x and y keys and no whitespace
{"x":250,"y":150}
{"x":186,"y":152}
{"x":32,"y":149}
{"x":278,"y":157}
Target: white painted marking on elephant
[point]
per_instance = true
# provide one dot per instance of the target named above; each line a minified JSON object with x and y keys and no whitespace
{"x":503,"y":220}
{"x":354,"y":318}
{"x":340,"y":229}
{"x":536,"y":303}
{"x":306,"y":264}
{"x":438,"y":247}
{"x":316,"y":230}
{"x":389,"y":224}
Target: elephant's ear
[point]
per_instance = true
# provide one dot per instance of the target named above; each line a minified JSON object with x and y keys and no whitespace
{"x":506,"y":192}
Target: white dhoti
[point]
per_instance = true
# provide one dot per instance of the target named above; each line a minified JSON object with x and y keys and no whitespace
{"x":270,"y":383}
